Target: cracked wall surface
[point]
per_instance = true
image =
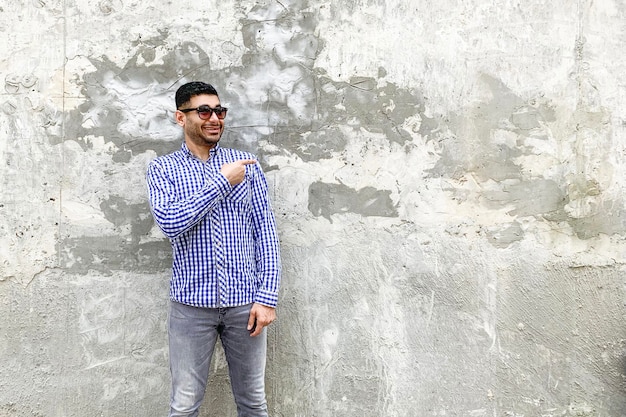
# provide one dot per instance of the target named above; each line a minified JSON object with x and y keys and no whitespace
{"x":447,"y":177}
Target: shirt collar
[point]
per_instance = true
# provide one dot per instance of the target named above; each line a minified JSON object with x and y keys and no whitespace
{"x":187,"y":152}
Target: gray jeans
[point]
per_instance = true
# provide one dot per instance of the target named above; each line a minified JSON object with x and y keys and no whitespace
{"x":193,"y":333}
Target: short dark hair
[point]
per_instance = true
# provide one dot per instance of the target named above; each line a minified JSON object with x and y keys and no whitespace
{"x":186,"y":91}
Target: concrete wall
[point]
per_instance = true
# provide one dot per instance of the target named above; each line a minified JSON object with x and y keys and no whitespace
{"x":448,"y":179}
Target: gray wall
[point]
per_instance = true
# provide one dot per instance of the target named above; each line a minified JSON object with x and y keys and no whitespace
{"x":448,"y":179}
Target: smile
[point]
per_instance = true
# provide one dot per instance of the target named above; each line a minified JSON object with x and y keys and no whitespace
{"x":211,"y":129}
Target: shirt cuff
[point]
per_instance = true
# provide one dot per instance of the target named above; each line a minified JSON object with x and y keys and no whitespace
{"x":266,"y":298}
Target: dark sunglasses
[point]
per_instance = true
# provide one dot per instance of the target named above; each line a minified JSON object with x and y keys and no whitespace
{"x":205,"y":112}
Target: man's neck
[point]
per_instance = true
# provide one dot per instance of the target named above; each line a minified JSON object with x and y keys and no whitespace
{"x":201,"y":152}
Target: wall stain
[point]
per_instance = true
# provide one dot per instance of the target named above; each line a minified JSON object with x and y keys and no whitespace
{"x":125,"y":251}
{"x":328,"y":199}
{"x":490,"y":140}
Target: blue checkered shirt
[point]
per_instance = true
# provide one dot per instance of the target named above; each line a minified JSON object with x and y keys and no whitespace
{"x":224,"y":241}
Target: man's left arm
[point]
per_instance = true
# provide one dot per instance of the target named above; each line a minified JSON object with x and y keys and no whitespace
{"x":267,"y":253}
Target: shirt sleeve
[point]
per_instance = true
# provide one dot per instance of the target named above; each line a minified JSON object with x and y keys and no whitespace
{"x":267,"y":249}
{"x":173,"y":214}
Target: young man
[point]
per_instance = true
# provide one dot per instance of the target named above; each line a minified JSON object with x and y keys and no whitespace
{"x":212,"y":203}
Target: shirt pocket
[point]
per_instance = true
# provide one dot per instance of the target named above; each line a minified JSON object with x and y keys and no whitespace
{"x":241,"y":194}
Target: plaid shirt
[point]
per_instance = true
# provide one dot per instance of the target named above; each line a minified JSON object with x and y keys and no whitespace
{"x":224,"y":241}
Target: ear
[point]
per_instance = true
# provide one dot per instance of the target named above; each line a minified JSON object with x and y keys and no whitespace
{"x":180,"y":118}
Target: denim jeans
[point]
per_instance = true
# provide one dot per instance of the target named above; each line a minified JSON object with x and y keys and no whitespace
{"x":193,"y":333}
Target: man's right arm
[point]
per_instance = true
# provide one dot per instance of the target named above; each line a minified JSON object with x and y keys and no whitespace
{"x":175,"y":215}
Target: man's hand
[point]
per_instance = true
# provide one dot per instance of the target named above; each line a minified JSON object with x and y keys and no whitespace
{"x":235,"y":172}
{"x":260,"y":316}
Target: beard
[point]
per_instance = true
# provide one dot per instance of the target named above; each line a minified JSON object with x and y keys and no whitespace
{"x":204,"y":135}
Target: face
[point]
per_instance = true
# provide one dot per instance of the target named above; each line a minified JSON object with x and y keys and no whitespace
{"x":200,"y":134}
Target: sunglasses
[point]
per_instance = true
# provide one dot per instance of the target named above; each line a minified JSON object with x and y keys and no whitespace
{"x":205,"y":112}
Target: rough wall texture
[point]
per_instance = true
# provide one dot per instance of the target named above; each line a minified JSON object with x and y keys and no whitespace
{"x":448,"y":179}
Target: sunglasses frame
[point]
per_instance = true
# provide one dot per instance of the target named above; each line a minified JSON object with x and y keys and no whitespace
{"x":219,"y":111}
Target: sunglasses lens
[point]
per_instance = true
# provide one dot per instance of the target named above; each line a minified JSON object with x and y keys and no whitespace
{"x":205,"y":112}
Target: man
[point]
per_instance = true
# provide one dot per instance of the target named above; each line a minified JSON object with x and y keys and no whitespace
{"x":212,"y":203}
